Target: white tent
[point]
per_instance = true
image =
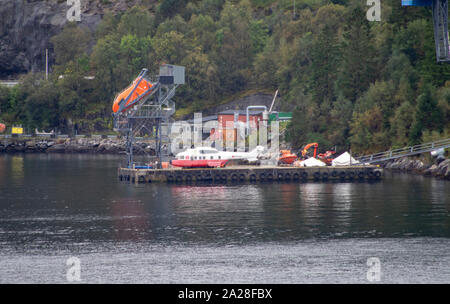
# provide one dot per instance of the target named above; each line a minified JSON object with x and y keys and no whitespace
{"x":312,"y":162}
{"x":345,"y":159}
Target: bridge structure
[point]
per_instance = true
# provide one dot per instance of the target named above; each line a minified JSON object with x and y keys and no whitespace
{"x":143,"y":116}
{"x":440,"y":24}
{"x":402,"y":152}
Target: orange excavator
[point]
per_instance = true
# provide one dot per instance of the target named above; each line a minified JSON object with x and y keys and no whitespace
{"x":139,"y":89}
{"x":287,"y":157}
{"x":326,"y":157}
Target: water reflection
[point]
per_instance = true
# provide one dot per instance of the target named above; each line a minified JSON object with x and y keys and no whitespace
{"x":342,"y":195}
{"x":131,"y":221}
{"x":80,"y":199}
{"x":3,"y":174}
{"x":197,"y":199}
{"x":288,"y":195}
{"x":17,"y":172}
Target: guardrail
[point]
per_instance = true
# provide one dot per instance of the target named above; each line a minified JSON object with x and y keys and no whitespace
{"x":406,"y":151}
{"x":58,"y":136}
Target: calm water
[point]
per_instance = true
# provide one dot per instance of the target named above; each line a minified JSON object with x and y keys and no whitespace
{"x":53,"y":207}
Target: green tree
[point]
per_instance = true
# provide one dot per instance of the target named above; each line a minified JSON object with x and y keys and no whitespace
{"x":258,"y":35}
{"x":338,"y":124}
{"x":171,"y":47}
{"x":367,"y":132}
{"x":105,"y":60}
{"x":234,"y":46}
{"x":428,"y":116}
{"x":202,"y":32}
{"x":4,"y":99}
{"x":358,"y":70}
{"x":136,"y":21}
{"x":41,"y":107}
{"x":401,"y":124}
{"x":201,"y":76}
{"x":324,"y":65}
{"x":71,"y":43}
{"x":169,"y":8}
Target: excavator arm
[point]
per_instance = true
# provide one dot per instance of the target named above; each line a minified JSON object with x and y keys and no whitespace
{"x":308,"y":146}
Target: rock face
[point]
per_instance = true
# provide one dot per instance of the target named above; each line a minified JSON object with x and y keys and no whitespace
{"x":440,"y":169}
{"x":27,"y":25}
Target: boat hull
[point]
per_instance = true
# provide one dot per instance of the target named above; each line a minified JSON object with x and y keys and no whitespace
{"x":201,"y":163}
{"x":288,"y":159}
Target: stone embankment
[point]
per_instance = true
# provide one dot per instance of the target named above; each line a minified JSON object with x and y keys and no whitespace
{"x":71,"y":145}
{"x":440,"y":168}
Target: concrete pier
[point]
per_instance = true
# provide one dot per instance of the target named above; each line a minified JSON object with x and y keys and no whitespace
{"x":238,"y":174}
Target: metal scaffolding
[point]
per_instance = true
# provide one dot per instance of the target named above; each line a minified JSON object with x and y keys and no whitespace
{"x":440,"y":24}
{"x":148,"y":112}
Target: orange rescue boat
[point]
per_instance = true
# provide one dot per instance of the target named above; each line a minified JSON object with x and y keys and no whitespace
{"x":143,"y":88}
{"x":287,"y":157}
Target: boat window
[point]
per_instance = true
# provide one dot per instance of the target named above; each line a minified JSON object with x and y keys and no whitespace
{"x":182,"y":157}
{"x":219,"y":157}
{"x":212,"y":157}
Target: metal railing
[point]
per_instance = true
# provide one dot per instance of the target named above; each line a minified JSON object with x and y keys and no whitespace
{"x":406,"y":151}
{"x":58,"y":136}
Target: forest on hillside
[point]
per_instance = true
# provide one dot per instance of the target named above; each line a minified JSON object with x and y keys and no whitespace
{"x":352,"y":83}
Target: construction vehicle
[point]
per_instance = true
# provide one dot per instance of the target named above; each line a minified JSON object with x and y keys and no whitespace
{"x":326,"y":157}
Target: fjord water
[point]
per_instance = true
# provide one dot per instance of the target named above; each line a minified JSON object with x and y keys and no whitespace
{"x":53,"y":207}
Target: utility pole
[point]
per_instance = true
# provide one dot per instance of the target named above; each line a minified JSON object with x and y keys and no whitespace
{"x":294,"y":9}
{"x":46,"y":64}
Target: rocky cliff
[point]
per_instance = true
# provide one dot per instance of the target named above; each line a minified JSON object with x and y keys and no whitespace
{"x":27,"y":25}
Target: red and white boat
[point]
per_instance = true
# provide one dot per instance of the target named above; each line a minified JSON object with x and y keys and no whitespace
{"x":204,"y":157}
